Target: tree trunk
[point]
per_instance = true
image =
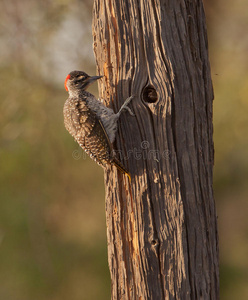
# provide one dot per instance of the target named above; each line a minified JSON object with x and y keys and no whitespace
{"x":161,"y":228}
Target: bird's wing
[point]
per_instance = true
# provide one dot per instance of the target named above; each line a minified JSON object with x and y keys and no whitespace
{"x":85,"y":119}
{"x":105,"y":133}
{"x":97,"y":143}
{"x":114,"y":160}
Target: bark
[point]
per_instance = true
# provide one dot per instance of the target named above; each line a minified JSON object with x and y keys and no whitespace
{"x":161,"y":228}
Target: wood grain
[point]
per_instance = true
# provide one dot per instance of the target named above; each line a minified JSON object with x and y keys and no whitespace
{"x":162,"y":239}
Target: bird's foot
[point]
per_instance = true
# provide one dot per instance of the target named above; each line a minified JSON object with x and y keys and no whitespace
{"x":125,"y":106}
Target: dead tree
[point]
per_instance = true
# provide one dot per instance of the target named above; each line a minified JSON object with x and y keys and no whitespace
{"x":161,"y":228}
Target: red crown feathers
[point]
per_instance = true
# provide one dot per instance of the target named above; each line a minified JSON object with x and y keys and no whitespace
{"x":67,"y":77}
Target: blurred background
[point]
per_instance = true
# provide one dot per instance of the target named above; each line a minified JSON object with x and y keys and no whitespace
{"x":52,"y":211}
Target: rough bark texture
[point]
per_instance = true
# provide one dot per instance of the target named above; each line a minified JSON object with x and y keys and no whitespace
{"x":162,"y":240}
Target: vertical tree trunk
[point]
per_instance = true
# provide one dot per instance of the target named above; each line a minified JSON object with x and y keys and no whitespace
{"x":162,"y":236}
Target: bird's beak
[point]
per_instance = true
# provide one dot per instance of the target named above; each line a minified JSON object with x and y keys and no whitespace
{"x":94,"y":78}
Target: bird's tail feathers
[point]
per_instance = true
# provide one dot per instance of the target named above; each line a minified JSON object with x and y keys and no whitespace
{"x":121,"y":168}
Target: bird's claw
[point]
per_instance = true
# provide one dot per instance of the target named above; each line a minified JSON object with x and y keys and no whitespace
{"x":129,"y":110}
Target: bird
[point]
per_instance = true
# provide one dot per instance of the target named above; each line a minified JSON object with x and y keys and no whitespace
{"x":90,"y":122}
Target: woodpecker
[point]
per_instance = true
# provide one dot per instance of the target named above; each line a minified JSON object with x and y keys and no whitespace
{"x":90,"y":122}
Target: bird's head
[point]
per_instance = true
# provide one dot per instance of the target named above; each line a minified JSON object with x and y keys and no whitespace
{"x":79,"y":81}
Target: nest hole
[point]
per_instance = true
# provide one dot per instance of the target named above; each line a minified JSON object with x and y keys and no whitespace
{"x":149,"y":94}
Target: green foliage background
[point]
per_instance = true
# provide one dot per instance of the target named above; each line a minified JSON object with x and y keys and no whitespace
{"x":52,"y":214}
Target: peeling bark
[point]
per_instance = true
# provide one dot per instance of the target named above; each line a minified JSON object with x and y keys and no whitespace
{"x":161,"y":228}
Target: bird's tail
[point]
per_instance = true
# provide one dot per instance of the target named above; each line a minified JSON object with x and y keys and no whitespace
{"x":121,"y":168}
